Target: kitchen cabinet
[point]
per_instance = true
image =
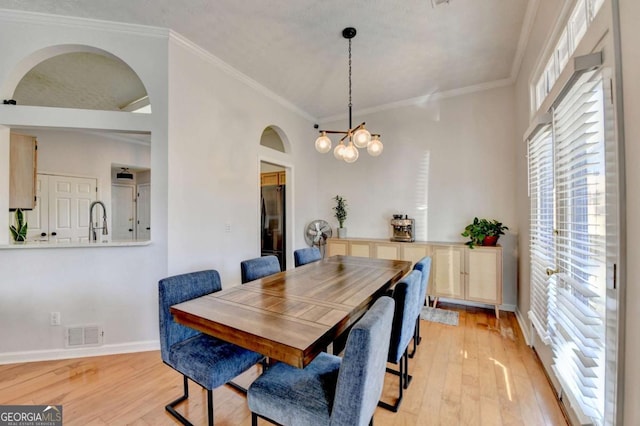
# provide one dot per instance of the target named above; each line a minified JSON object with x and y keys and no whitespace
{"x":273,"y":178}
{"x":23,"y":163}
{"x":457,"y":272}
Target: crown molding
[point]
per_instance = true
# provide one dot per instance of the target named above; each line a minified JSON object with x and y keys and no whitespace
{"x":525,"y":33}
{"x":243,"y":78}
{"x":421,"y":100}
{"x":7,"y":15}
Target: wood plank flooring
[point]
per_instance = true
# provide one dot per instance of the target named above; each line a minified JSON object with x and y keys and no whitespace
{"x":478,"y":373}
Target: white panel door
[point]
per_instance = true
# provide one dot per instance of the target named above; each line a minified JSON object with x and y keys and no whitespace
{"x":144,"y":212}
{"x":69,"y":201}
{"x":38,"y":218}
{"x":122,"y":210}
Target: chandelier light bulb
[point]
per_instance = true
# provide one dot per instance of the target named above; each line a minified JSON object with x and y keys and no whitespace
{"x":338,"y":152}
{"x":375,"y":147}
{"x":350,"y":153}
{"x":361,"y":137}
{"x":323,"y":143}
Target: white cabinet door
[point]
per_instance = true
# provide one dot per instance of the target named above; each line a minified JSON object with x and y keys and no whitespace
{"x":69,"y":201}
{"x":122,"y":211}
{"x":144,"y":212}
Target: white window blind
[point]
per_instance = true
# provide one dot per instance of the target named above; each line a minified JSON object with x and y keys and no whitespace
{"x":541,"y":243}
{"x":576,"y":311}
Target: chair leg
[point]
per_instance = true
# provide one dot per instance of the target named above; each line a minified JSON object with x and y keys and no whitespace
{"x":416,"y":338}
{"x":171,"y":406}
{"x":404,"y":378}
{"x":210,"y":406}
{"x":254,"y":419}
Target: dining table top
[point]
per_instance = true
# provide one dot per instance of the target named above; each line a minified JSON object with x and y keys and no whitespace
{"x":293,"y":315}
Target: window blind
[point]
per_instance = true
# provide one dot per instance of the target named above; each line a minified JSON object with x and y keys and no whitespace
{"x":541,"y":241}
{"x":576,"y":311}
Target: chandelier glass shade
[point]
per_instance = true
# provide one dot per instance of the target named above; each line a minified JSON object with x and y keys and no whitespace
{"x":355,"y":137}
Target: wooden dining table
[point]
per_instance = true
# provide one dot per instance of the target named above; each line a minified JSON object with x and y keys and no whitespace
{"x":293,"y":315}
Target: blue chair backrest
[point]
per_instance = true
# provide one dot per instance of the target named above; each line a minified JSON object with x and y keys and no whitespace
{"x":178,"y":289}
{"x":406,"y":295}
{"x":259,"y":267}
{"x":424,"y":266}
{"x":306,"y":255}
{"x":361,"y":375}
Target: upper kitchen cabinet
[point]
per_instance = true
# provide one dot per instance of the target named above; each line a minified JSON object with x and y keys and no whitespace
{"x":23,"y":163}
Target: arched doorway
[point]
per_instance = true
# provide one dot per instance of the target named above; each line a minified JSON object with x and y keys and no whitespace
{"x":273,"y":201}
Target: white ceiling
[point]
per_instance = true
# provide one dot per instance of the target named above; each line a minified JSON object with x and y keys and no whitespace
{"x":404,"y":49}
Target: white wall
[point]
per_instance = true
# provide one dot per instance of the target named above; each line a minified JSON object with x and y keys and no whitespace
{"x":112,"y":286}
{"x":87,"y":154}
{"x":444,"y":162}
{"x":215,"y":125}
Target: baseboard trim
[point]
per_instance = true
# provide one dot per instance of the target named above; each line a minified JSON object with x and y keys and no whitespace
{"x":56,"y":354}
{"x":508,"y":308}
{"x":523,"y":327}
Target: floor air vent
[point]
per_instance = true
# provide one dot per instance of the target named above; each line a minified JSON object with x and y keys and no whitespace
{"x":86,"y":335}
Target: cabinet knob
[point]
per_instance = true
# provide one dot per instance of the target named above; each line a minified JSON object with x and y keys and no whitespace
{"x":148,"y":228}
{"x":130,"y":230}
{"x":43,"y":234}
{"x":53,"y":234}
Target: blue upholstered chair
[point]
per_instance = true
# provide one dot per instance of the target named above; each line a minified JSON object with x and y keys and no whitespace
{"x":207,"y":361}
{"x":424,"y":266}
{"x":259,"y":267}
{"x":406,"y":294}
{"x":330,"y":390}
{"x":306,"y":255}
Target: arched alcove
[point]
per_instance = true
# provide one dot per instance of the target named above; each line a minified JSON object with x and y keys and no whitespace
{"x":80,"y":77}
{"x":273,"y":137}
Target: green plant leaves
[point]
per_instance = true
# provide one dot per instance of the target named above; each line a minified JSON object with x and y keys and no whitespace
{"x":477,"y":230}
{"x":340,"y":209}
{"x":19,"y":230}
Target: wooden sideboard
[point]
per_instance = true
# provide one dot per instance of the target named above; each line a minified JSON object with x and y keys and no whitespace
{"x":457,"y":272}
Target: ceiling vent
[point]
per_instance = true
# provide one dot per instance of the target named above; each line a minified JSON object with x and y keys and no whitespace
{"x":124,"y":174}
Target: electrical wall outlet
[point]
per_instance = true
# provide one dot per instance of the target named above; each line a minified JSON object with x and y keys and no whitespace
{"x":55,"y":318}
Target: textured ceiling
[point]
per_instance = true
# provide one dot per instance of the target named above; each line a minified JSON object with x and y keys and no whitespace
{"x":403,"y":49}
{"x":80,"y":80}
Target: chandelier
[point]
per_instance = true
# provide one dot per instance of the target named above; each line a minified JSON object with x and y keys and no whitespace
{"x":355,"y":137}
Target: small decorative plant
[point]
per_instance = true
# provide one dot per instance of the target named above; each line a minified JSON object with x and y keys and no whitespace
{"x":340,"y":210}
{"x":19,"y":230}
{"x":483,"y":232}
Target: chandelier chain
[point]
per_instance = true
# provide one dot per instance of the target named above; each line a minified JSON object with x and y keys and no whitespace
{"x":350,"y":104}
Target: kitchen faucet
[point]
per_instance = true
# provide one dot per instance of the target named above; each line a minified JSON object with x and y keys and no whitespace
{"x":92,"y":228}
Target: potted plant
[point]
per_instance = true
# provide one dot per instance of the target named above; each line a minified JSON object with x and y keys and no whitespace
{"x":341,"y":214}
{"x":19,"y":230}
{"x":483,"y":232}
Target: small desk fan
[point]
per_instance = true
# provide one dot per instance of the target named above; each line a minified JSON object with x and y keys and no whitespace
{"x":316,"y":234}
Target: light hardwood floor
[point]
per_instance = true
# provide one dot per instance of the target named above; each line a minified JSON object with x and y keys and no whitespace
{"x":479,"y":373}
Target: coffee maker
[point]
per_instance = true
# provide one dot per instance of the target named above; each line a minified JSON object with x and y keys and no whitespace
{"x":403,"y":228}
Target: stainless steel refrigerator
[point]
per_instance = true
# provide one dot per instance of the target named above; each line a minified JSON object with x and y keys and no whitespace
{"x":273,"y":223}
